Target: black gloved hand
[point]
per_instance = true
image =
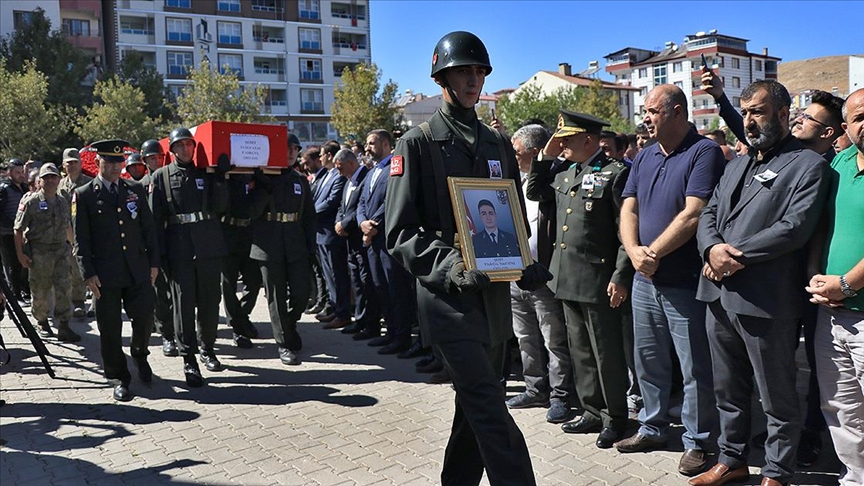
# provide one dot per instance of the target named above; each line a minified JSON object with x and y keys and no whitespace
{"x":468,"y":280}
{"x":534,"y":277}
{"x":223,"y":165}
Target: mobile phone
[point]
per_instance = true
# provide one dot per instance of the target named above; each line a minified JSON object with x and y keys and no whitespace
{"x":493,"y":113}
{"x":704,"y":61}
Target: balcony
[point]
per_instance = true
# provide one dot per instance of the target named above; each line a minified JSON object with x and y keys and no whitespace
{"x":705,"y":111}
{"x":269,"y":69}
{"x":268,"y":38}
{"x":347,"y":43}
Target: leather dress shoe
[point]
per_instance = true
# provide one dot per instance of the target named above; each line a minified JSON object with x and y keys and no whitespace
{"x":325,"y":316}
{"x":394,"y":348}
{"x":145,"y":372}
{"x":337,"y":323}
{"x":433,"y":366}
{"x":639,"y":443}
{"x":211,"y":362}
{"x":582,"y":426}
{"x":245,"y":329}
{"x":366,"y":334}
{"x":415,"y":351}
{"x":169,"y":347}
{"x":440,"y":377}
{"x":425,"y":360}
{"x":315,"y":308}
{"x":242,"y":341}
{"x":809,"y":448}
{"x":607,"y":438}
{"x":692,"y":462}
{"x":352,"y":328}
{"x":122,"y":393}
{"x":288,"y":357}
{"x":720,"y":474}
{"x":771,"y":482}
{"x":527,"y":400}
{"x":380,"y":341}
{"x":193,"y":374}
{"x":559,"y":411}
{"x":79,"y":311}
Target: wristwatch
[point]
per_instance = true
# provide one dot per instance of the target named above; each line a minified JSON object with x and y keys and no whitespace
{"x":845,"y":288}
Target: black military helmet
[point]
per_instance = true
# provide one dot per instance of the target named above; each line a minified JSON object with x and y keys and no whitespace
{"x":151,"y":147}
{"x":460,"y":49}
{"x":179,"y":133}
{"x":133,"y":159}
{"x":15,"y":162}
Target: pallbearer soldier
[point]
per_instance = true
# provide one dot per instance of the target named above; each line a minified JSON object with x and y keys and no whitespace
{"x":236,"y":227}
{"x":151,"y":154}
{"x":187,"y":202}
{"x":43,"y":224}
{"x":73,"y":180}
{"x":115,"y":242}
{"x":283,"y":243}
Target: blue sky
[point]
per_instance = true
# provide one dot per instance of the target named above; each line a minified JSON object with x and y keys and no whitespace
{"x":524,"y":37}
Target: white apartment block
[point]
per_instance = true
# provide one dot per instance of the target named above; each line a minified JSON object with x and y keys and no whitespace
{"x":681,"y":65}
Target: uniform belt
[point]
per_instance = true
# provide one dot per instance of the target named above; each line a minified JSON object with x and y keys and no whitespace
{"x":186,"y":218}
{"x":281,"y":217}
{"x":242,"y":222}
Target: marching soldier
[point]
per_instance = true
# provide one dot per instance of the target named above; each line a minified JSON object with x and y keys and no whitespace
{"x":592,"y":271}
{"x":115,"y":242}
{"x":153,"y":156}
{"x":186,"y":203}
{"x":73,"y":180}
{"x":137,"y":169}
{"x":43,"y":225}
{"x":461,"y":314}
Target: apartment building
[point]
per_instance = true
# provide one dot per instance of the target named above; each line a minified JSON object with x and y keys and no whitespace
{"x":681,"y":65}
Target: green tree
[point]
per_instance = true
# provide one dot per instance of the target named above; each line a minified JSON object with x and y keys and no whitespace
{"x":361,"y":105}
{"x":530,"y":102}
{"x":133,"y":70}
{"x":211,"y":95}
{"x":116,"y":113}
{"x":29,"y":125}
{"x":604,"y":105}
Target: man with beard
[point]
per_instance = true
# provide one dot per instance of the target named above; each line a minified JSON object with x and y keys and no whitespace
{"x":752,"y":235}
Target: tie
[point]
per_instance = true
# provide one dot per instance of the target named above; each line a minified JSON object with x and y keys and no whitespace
{"x":493,"y":238}
{"x":113,"y":189}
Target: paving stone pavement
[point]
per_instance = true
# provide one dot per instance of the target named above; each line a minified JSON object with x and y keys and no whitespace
{"x":346,"y":416}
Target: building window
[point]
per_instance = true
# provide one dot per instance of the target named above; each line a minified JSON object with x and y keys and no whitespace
{"x":136,"y":25}
{"x":179,"y":29}
{"x":735,"y":63}
{"x":677,"y":67}
{"x":680,"y":84}
{"x":230,"y":32}
{"x":268,"y":66}
{"x":659,"y":74}
{"x":76,"y":27}
{"x":267,"y":5}
{"x":736,"y":102}
{"x":276,"y":97}
{"x":721,"y":61}
{"x":770,"y":66}
{"x":310,"y":9}
{"x":231,"y":63}
{"x":736,"y":82}
{"x":644,"y":91}
{"x":338,"y":67}
{"x":179,"y":62}
{"x":228,"y":5}
{"x":704,"y":104}
{"x":310,"y":69}
{"x":757,"y":65}
{"x":21,"y":19}
{"x":175,"y":91}
{"x":310,"y":39}
{"x":178,"y":3}
{"x":311,"y":131}
{"x":643,"y":72}
{"x":312,"y":100}
{"x":361,"y":12}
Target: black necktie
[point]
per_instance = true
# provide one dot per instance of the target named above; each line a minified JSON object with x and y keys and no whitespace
{"x":493,"y":238}
{"x":113,"y":189}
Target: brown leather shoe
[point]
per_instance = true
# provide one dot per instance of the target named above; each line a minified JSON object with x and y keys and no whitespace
{"x":771,"y":482}
{"x":337,"y":323}
{"x":638,"y":443}
{"x":720,"y":474}
{"x":692,"y":462}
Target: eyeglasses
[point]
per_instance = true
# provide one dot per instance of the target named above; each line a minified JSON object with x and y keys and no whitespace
{"x":806,"y":116}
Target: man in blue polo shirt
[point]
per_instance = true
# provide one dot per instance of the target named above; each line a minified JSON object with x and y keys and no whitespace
{"x":669,"y":184}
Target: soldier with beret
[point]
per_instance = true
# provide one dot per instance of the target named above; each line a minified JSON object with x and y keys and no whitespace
{"x":592,"y":271}
{"x":74,"y":179}
{"x":187,"y":203}
{"x":43,"y":242}
{"x":115,"y":244}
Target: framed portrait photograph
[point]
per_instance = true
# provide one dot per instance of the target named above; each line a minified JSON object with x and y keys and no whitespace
{"x":491,"y":228}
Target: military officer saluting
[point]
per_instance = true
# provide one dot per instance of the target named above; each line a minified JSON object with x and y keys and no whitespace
{"x":592,"y":271}
{"x":115,"y":244}
{"x":187,"y":203}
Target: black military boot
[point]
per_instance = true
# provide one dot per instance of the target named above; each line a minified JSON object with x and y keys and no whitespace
{"x":44,"y":329}
{"x":192,"y":372}
{"x":66,"y":334}
{"x":208,"y":357}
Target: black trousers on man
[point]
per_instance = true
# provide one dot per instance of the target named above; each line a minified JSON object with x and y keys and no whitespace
{"x":138,"y":301}
{"x":16,"y":275}
{"x":366,"y":307}
{"x":195,"y":285}
{"x":238,"y":310}
{"x":287,"y":287}
{"x":164,"y":309}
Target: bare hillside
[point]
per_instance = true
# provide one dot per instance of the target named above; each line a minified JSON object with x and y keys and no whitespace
{"x":822,"y":73}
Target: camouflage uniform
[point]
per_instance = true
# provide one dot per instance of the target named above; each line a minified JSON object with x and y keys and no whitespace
{"x":44,"y":223}
{"x":78,"y":291}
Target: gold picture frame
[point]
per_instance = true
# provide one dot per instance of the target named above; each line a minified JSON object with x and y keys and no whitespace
{"x":490,"y":241}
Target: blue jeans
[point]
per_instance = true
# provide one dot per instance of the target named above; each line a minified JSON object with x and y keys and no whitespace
{"x":667,"y":318}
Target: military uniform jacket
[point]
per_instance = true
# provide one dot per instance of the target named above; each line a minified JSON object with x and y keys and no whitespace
{"x":275,"y":241}
{"x":115,"y":238}
{"x":67,"y":186}
{"x":192,"y":190}
{"x":506,"y":245}
{"x":241,"y":196}
{"x":588,"y":253}
{"x":43,"y":221}
{"x":419,"y":225}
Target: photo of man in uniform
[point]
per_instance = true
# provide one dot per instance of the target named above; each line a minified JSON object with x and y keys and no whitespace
{"x":492,"y":241}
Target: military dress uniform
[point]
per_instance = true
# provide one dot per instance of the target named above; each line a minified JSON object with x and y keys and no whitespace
{"x":115,"y":240}
{"x":283,"y":244}
{"x":502,"y":245}
{"x":78,"y":292}
{"x":187,"y":202}
{"x":587,"y":256}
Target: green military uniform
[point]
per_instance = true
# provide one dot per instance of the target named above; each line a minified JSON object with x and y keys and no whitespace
{"x":45,"y":223}
{"x":588,"y":255}
{"x":78,"y":292}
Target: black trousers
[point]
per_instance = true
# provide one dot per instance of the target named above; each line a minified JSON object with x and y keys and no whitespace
{"x":16,"y":275}
{"x":814,"y":421}
{"x":195,"y":287}
{"x":484,"y":434}
{"x":319,"y":295}
{"x":747,"y":350}
{"x":394,"y":287}
{"x":287,"y":290}
{"x":596,"y":351}
{"x":164,"y":309}
{"x":235,"y":264}
{"x":366,"y":307}
{"x":334,"y":264}
{"x":138,"y":300}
